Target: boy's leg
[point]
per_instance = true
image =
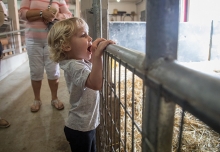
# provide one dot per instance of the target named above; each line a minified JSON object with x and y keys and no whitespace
{"x":80,"y":141}
{"x":93,"y":148}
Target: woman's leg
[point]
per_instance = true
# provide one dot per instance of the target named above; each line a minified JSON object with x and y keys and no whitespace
{"x":53,"y":74}
{"x":36,"y":85}
{"x":35,"y":55}
{"x":53,"y":88}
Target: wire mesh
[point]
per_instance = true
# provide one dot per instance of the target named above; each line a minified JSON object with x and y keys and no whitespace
{"x":121,"y":115}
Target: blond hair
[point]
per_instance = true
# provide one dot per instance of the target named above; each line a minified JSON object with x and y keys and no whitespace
{"x":60,"y":35}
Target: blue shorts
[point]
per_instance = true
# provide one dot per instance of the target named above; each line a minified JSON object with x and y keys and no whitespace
{"x":81,"y":141}
{"x":38,"y":54}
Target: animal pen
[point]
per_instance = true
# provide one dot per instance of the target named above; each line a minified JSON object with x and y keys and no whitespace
{"x":150,"y":102}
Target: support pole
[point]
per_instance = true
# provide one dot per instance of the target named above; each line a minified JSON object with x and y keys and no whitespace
{"x":161,"y":42}
{"x":97,"y":12}
{"x":162,"y":29}
{"x":13,"y":14}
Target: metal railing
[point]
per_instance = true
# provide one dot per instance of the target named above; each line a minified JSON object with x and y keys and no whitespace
{"x":10,"y":38}
{"x":123,"y":104}
{"x":10,"y":42}
{"x":140,"y":92}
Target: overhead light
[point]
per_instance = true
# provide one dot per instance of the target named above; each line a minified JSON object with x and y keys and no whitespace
{"x":118,"y":0}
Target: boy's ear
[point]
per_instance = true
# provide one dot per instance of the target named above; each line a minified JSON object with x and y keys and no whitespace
{"x":66,"y":47}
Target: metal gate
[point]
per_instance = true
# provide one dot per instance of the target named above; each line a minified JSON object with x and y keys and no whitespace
{"x":125,"y":107}
{"x":141,"y":91}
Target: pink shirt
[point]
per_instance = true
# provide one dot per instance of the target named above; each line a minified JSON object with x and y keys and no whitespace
{"x":37,"y":29}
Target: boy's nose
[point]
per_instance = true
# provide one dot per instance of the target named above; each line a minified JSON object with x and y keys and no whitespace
{"x":90,"y":38}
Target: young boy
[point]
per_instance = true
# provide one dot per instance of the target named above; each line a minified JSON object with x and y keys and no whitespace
{"x":81,"y":60}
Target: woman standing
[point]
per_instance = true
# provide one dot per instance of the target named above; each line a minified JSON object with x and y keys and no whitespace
{"x":38,"y":13}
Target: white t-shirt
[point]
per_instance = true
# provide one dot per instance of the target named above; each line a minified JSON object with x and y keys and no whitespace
{"x":84,"y":112}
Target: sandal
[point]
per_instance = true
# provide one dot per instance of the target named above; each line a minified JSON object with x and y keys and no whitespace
{"x":4,"y":123}
{"x":57,"y":104}
{"x":36,"y":106}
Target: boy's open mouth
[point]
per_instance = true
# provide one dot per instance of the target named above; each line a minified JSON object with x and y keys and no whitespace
{"x":89,"y":48}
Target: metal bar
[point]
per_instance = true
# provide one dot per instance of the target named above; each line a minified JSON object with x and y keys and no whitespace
{"x":6,"y":33}
{"x":210,"y":42}
{"x":139,"y":73}
{"x":162,"y":29}
{"x":181,"y":130}
{"x":119,"y":94}
{"x":210,"y":85}
{"x":198,"y":91}
{"x":106,"y":100}
{"x":13,"y":38}
{"x":133,"y":110}
{"x":8,"y":50}
{"x":98,"y":130}
{"x":97,"y":7}
{"x":151,"y":148}
{"x":128,"y":56}
{"x":102,"y":144}
{"x":115,"y":118}
{"x":110,"y":104}
{"x":125,"y":100}
{"x":126,"y":111}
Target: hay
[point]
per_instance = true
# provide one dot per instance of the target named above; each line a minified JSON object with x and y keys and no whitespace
{"x":197,"y":137}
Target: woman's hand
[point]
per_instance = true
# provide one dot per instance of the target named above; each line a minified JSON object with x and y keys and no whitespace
{"x":45,"y":21}
{"x":48,"y":15}
{"x":53,"y":10}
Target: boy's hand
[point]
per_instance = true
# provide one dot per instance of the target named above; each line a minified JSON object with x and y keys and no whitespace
{"x":101,"y":47}
{"x":96,"y":43}
{"x":95,"y":79}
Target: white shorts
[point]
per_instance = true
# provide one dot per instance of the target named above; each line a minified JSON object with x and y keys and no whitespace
{"x":38,"y":54}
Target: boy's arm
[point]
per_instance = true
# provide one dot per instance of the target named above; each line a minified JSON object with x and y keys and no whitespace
{"x":94,"y":80}
{"x":95,"y":45}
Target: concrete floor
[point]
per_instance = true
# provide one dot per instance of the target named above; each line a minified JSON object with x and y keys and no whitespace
{"x":31,"y":132}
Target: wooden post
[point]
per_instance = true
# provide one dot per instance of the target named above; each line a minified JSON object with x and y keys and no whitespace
{"x":13,"y":14}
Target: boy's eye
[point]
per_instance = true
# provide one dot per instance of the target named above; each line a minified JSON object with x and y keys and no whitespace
{"x":84,"y":35}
